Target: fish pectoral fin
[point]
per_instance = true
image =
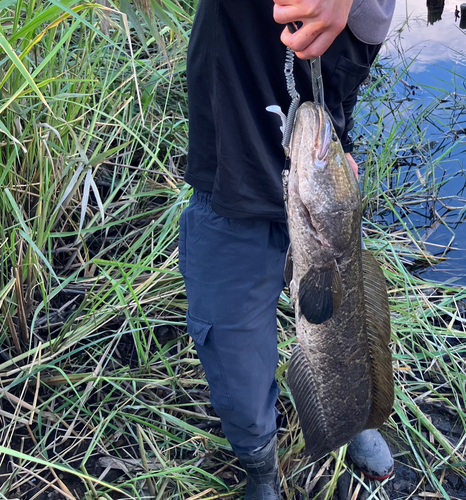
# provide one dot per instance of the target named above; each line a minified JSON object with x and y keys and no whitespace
{"x":288,"y":271}
{"x":378,"y":336}
{"x":320,"y":293}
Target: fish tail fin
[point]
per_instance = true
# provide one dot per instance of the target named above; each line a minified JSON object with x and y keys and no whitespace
{"x":378,"y":333}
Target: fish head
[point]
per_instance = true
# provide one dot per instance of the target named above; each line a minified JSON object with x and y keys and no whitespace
{"x":322,"y":179}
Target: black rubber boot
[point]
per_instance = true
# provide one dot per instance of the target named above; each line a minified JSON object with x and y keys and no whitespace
{"x":370,"y":453}
{"x":261,"y":467}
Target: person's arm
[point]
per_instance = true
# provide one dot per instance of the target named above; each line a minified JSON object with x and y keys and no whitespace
{"x":353,"y":164}
{"x":322,"y":21}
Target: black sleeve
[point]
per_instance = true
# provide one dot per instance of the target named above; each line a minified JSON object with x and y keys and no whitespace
{"x":345,"y":65}
{"x":348,"y":106}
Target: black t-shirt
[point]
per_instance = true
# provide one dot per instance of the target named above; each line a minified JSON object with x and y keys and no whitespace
{"x":235,"y":70}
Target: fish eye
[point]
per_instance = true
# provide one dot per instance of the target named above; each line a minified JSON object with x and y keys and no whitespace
{"x":334,"y":137}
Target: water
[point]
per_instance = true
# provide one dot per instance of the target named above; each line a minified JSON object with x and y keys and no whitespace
{"x":430,"y":46}
{"x":437,"y":47}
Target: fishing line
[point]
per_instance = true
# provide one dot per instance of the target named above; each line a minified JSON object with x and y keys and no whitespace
{"x":295,"y":97}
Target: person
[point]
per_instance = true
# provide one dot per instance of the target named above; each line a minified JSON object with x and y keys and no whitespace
{"x":233,"y":238}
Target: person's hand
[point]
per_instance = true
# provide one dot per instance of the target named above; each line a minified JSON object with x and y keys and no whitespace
{"x":322,"y":21}
{"x":352,"y":163}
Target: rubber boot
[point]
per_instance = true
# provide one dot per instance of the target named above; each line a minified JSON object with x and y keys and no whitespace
{"x":263,"y":478}
{"x":370,"y":453}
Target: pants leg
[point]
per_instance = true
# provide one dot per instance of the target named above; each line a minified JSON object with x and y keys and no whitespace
{"x":233,"y":272}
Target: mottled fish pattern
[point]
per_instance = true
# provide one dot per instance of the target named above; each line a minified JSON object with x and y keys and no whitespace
{"x":340,"y":372}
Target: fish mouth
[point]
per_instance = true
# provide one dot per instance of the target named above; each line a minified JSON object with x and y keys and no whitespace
{"x":324,"y":135}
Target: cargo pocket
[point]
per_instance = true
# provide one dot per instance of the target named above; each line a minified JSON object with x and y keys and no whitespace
{"x":182,"y":244}
{"x":200,"y":331}
{"x":197,"y":328}
{"x":347,"y":77}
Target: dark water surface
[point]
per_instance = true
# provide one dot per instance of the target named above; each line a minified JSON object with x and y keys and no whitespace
{"x":427,"y":48}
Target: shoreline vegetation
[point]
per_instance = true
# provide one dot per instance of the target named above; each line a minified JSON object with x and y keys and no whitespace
{"x":101,"y":393}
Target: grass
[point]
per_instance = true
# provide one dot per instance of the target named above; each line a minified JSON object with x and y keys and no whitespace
{"x":101,"y":393}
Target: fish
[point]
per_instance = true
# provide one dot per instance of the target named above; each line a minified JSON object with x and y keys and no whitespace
{"x":340,"y":371}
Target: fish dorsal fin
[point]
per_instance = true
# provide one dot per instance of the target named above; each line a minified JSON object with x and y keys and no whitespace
{"x":378,"y":334}
{"x":320,"y":293}
{"x":288,"y":272}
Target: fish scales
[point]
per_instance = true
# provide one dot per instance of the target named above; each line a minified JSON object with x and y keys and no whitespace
{"x":332,"y":370}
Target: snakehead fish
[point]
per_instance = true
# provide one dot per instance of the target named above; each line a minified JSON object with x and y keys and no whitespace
{"x":340,"y":372}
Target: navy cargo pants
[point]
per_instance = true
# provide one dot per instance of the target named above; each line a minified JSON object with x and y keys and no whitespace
{"x":233,"y":272}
